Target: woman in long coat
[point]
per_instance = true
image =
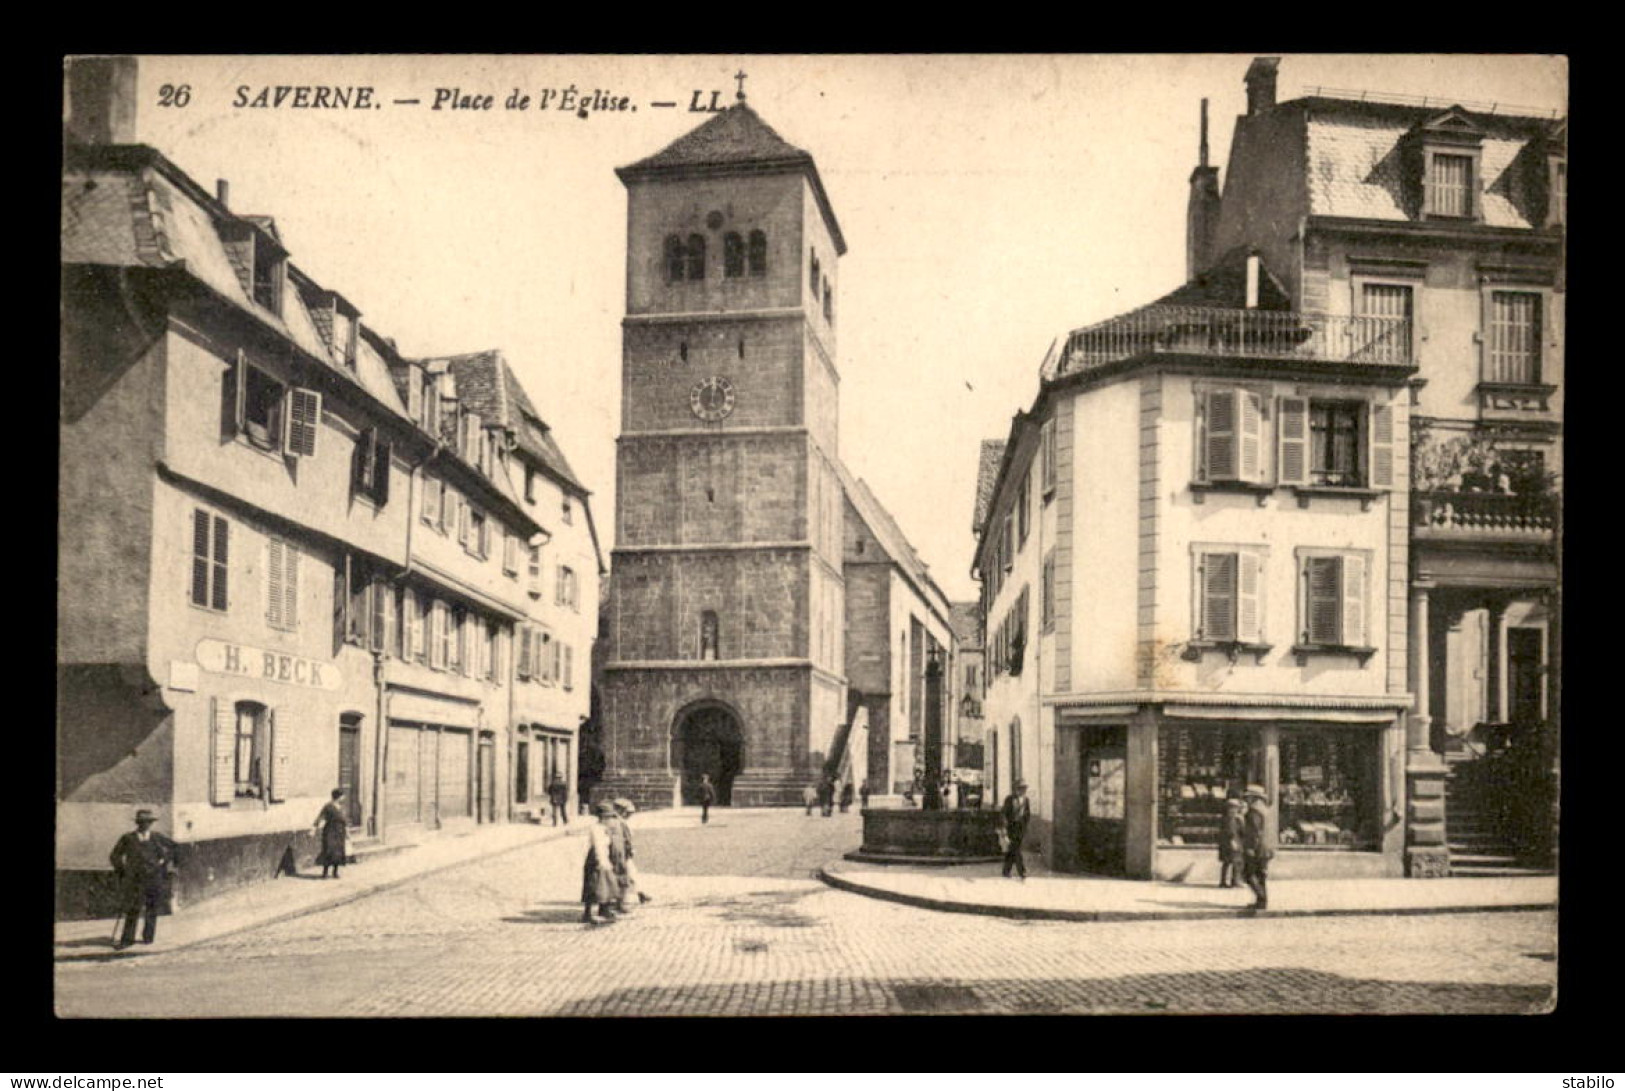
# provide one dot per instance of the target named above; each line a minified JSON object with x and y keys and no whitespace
{"x":334,"y":827}
{"x":599,"y":885}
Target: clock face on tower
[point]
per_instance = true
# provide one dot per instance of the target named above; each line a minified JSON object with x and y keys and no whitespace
{"x":712,"y":399}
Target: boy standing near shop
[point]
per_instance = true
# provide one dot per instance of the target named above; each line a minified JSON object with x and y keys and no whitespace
{"x":1255,"y":847}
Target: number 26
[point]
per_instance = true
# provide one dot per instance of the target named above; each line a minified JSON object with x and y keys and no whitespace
{"x":170,"y":95}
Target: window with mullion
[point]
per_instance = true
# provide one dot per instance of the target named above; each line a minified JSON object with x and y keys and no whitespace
{"x":1514,"y":337}
{"x":210,"y":534}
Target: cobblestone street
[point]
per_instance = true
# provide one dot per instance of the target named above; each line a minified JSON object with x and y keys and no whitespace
{"x":739,"y":927}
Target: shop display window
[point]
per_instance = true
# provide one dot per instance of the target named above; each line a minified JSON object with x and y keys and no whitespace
{"x":1328,"y":789}
{"x":1199,"y":766}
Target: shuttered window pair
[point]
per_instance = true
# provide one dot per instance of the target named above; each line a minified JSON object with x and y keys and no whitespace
{"x":282,"y":584}
{"x":1229,"y":595}
{"x":535,"y":570}
{"x":370,"y":466}
{"x":567,"y":591}
{"x":271,"y":415}
{"x":210,"y":537}
{"x":251,"y":748}
{"x":1327,"y":443}
{"x":1332,"y":600}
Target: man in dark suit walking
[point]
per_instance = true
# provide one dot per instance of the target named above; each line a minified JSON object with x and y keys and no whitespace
{"x":141,"y":860}
{"x":558,"y":795}
{"x":1017,"y":812}
{"x":1255,"y":847}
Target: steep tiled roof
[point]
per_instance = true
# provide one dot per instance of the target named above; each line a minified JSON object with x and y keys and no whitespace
{"x":736,"y":135}
{"x":987,"y":475}
{"x":487,"y":386}
{"x":891,"y":537}
{"x":1355,"y":168}
{"x":967,"y":623}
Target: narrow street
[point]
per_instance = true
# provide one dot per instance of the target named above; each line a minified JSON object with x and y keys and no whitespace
{"x":740,"y":927}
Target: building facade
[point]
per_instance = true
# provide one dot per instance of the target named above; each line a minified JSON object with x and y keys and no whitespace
{"x":1345,"y":431}
{"x":1452,"y":220}
{"x":290,"y":556}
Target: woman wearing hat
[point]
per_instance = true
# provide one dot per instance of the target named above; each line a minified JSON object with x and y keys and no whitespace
{"x":334,"y":828}
{"x":599,"y":885}
{"x":630,"y":882}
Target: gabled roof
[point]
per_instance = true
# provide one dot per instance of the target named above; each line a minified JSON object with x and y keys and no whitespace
{"x":487,"y":385}
{"x":987,"y":475}
{"x":892,"y":539}
{"x":735,"y":141}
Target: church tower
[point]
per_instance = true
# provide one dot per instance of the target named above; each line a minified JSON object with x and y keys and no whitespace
{"x":725,"y":648}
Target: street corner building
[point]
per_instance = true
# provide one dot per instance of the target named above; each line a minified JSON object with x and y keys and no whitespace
{"x":767,"y":623}
{"x":291,"y":558}
{"x":1337,"y":577}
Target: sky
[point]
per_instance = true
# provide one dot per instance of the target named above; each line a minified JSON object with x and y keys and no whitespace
{"x":990,"y":204}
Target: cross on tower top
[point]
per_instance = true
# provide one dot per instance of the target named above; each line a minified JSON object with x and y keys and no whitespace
{"x":741,"y":77}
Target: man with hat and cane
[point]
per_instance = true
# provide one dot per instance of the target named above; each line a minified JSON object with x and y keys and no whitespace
{"x":1255,"y":847}
{"x":141,"y":860}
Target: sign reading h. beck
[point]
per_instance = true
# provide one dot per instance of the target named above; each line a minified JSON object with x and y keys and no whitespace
{"x":244,"y":661}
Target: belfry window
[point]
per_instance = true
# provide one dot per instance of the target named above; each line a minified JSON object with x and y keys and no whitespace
{"x":758,"y":254}
{"x":696,"y":257}
{"x":708,"y":635}
{"x":733,"y":255}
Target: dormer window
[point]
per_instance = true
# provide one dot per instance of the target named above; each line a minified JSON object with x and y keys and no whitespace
{"x":1447,"y":151}
{"x":345,"y":334}
{"x":267,"y":282}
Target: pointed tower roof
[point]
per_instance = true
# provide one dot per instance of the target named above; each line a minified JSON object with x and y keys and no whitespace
{"x":735,"y":141}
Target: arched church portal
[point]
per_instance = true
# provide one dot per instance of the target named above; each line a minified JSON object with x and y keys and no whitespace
{"x":708,"y":741}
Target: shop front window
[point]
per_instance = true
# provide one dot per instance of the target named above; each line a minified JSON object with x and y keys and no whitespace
{"x":1328,"y":789}
{"x":1200,"y":766}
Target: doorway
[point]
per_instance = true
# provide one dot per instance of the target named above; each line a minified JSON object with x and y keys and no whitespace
{"x":486,"y":770}
{"x":1525,"y":652}
{"x":709,"y":743}
{"x":350,"y":767}
{"x":1102,"y":832}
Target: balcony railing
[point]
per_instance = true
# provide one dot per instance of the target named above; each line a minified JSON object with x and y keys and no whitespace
{"x":1212,"y":331}
{"x":1484,"y":514}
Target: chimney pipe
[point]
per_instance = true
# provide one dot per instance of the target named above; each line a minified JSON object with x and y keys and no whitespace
{"x":101,"y":100}
{"x":1203,"y":161}
{"x":1201,"y":210}
{"x":1252,"y":281}
{"x":1261,"y":84}
{"x":222,"y":192}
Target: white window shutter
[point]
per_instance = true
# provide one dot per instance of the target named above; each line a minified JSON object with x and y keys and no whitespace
{"x":1292,"y":421}
{"x":304,"y":416}
{"x":1218,"y":596}
{"x":1251,"y":406}
{"x":414,"y":395}
{"x":290,"y":586}
{"x":239,"y":388}
{"x":1354,"y":601}
{"x":281,"y":751}
{"x":1381,"y":431}
{"x":522,"y":665}
{"x":1219,"y":447}
{"x":273,"y":582}
{"x":223,"y":752}
{"x":413,"y":623}
{"x":1249,"y":589}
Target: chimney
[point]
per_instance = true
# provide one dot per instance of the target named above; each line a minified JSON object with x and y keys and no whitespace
{"x":1202,"y":210}
{"x":1261,"y":84}
{"x":101,"y":100}
{"x":1252,"y":281}
{"x":222,"y":192}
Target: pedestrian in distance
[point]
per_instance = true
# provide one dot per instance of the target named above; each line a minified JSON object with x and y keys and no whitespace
{"x":632,"y":882}
{"x":1017,"y":812}
{"x":809,"y":796}
{"x":708,"y":796}
{"x":599,"y":885}
{"x":333,"y":826}
{"x":558,"y":798}
{"x":863,"y":794}
{"x":141,"y":862}
{"x":1230,"y":838}
{"x":846,"y":797}
{"x":826,"y":796}
{"x":1255,"y":847}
